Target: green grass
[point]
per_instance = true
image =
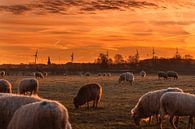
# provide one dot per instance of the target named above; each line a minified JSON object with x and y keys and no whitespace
{"x":116,"y":102}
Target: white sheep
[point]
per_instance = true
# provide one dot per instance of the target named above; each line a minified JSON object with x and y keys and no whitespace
{"x":41,"y":115}
{"x":5,"y":86}
{"x":126,"y":77}
{"x":30,"y":85}
{"x":2,"y":73}
{"x":143,"y":74}
{"x":149,"y":105}
{"x":38,"y":75}
{"x":45,"y":74}
{"x":177,"y":104}
{"x":9,"y":104}
{"x":172,"y":74}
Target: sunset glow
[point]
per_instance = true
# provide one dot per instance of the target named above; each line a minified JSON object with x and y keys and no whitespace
{"x":88,"y":27}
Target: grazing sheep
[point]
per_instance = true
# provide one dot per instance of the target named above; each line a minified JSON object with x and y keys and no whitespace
{"x":30,"y":85}
{"x":9,"y":104}
{"x":41,"y":115}
{"x":45,"y":74}
{"x":162,"y":74}
{"x":177,"y":104}
{"x":126,"y":77}
{"x":2,"y":73}
{"x":104,"y":74}
{"x":149,"y":105}
{"x":143,"y":74}
{"x":109,"y":74}
{"x":87,"y":93}
{"x":99,"y":74}
{"x":38,"y":75}
{"x":87,"y":74}
{"x":5,"y":86}
{"x":172,"y":74}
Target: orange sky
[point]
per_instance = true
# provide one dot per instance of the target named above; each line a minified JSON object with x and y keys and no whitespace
{"x":88,"y":27}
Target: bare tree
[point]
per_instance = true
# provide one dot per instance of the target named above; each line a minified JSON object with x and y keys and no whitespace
{"x":118,"y":59}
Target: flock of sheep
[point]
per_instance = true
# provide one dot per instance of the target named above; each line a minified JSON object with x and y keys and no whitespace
{"x":49,"y":114}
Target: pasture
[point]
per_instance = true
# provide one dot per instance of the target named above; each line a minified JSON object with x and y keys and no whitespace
{"x":116,"y":103}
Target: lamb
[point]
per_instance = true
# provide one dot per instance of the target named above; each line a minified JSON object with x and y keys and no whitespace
{"x":5,"y":86}
{"x":143,"y":74}
{"x":30,"y":85}
{"x":38,"y":75}
{"x":87,"y":93}
{"x":41,"y":115}
{"x":2,"y":73}
{"x":9,"y":104}
{"x":177,"y":104}
{"x":172,"y":74}
{"x":149,"y":105}
{"x":162,"y":74}
{"x":126,"y":77}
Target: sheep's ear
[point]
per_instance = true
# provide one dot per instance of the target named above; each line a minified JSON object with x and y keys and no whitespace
{"x":132,"y":112}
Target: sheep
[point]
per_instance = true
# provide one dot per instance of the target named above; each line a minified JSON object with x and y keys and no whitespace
{"x":149,"y":105}
{"x":172,"y":74}
{"x":87,"y":74}
{"x":87,"y":93}
{"x":9,"y":104}
{"x":2,"y":73}
{"x":126,"y":77}
{"x":109,"y":74}
{"x":162,"y":74}
{"x":143,"y":74}
{"x":28,"y":85}
{"x":45,"y":74}
{"x":177,"y":104}
{"x":41,"y":115}
{"x":99,"y":74}
{"x":5,"y":86}
{"x":38,"y":75}
{"x":104,"y":74}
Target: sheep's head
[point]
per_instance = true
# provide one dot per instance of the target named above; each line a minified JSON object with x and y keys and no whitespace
{"x":76,"y":102}
{"x":135,"y":117}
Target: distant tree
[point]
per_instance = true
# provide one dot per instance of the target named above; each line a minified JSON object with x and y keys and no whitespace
{"x":131,"y":60}
{"x":118,"y":59}
{"x":48,"y":61}
{"x":102,"y":59}
{"x":188,"y":57}
{"x":134,"y":59}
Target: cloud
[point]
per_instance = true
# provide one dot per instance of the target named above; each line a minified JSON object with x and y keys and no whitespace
{"x":15,"y":9}
{"x":75,"y":6}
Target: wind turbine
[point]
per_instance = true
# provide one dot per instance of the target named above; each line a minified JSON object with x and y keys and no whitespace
{"x":36,"y":56}
{"x":72,"y":57}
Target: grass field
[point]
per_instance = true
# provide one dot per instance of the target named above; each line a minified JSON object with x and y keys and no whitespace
{"x":116,"y":103}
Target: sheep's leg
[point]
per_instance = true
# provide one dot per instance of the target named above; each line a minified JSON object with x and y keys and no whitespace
{"x":87,"y":105}
{"x":150,"y":118}
{"x":190,"y":123}
{"x":172,"y":123}
{"x":176,"y":121}
{"x":157,"y":118}
{"x":94,"y":102}
{"x":161,"y":120}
